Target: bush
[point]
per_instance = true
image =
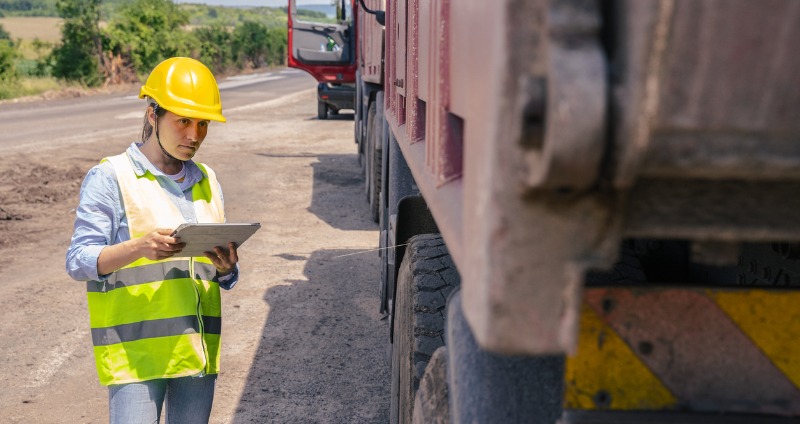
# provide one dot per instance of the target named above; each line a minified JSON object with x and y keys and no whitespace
{"x":8,"y":56}
{"x":250,"y":43}
{"x":276,"y":46}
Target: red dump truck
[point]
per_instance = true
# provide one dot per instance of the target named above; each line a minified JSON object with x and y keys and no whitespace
{"x":588,"y":209}
{"x":320,"y":43}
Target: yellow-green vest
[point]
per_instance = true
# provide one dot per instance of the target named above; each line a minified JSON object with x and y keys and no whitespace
{"x":157,"y":319}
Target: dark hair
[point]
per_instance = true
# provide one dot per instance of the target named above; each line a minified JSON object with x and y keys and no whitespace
{"x":147,"y":129}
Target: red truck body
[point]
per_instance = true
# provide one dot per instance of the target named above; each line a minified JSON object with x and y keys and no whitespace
{"x":614,"y":183}
{"x":326,"y":50}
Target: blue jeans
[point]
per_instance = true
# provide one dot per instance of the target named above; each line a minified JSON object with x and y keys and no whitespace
{"x":188,"y":400}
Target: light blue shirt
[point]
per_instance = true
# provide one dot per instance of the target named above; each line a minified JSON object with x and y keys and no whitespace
{"x":100,"y":217}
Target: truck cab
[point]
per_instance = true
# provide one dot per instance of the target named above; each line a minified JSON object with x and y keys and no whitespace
{"x":322,"y":43}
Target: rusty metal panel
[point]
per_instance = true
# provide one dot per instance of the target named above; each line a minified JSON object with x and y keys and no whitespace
{"x":448,"y":140}
{"x":688,"y":349}
{"x":731,"y":65}
{"x":714,"y":210}
{"x":401,"y":46}
{"x":728,"y":95}
{"x":390,"y":62}
{"x":431,"y":130}
{"x":444,"y":158}
{"x":463,"y":55}
{"x":424,"y":36}
{"x":709,"y":90}
{"x":372,"y":49}
{"x":400,"y":36}
{"x":415,"y":106}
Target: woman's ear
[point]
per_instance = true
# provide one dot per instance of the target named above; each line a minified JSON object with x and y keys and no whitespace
{"x":151,"y":116}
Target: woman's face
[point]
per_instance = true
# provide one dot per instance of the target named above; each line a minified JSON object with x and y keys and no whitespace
{"x":181,"y":136}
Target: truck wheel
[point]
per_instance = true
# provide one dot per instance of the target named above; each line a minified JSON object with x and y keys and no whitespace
{"x":431,"y":405}
{"x":427,"y":276}
{"x":376,"y":165}
{"x":322,"y":110}
{"x":369,"y":146}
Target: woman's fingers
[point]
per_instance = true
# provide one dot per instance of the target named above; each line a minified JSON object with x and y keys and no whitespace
{"x":224,"y":260}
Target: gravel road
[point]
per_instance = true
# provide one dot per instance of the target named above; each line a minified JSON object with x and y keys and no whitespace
{"x":303,"y":341}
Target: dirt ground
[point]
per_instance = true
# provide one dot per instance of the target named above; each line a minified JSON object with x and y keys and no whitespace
{"x":303,"y":341}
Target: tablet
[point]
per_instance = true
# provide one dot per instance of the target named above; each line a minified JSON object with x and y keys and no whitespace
{"x":201,"y":238}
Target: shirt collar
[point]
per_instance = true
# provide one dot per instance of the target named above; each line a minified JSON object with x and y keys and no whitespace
{"x":142,"y":165}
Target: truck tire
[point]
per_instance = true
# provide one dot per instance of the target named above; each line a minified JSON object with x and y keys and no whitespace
{"x":376,"y":165}
{"x":368,"y":147}
{"x":427,"y":277}
{"x":431,"y":404}
{"x":322,"y":110}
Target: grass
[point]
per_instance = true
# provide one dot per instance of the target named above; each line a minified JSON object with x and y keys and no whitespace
{"x":26,"y":86}
{"x":25,"y":30}
{"x":30,"y":28}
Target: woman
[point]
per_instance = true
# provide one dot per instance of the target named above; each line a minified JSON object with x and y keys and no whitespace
{"x":155,"y":316}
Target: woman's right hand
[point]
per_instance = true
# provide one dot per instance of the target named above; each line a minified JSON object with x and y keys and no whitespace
{"x":159,"y":244}
{"x":156,"y":245}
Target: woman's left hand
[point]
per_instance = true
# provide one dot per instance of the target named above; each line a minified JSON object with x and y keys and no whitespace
{"x":224,"y":260}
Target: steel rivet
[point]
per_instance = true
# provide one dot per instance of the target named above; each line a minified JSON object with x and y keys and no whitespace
{"x":602,"y":399}
{"x":608,"y":305}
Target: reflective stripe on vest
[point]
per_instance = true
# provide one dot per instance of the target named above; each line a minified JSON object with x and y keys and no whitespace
{"x":157,"y":319}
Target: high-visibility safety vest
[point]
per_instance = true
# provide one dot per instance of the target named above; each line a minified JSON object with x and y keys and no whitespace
{"x":157,"y":319}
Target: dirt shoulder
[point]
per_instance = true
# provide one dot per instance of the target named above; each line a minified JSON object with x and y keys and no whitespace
{"x":302,"y":337}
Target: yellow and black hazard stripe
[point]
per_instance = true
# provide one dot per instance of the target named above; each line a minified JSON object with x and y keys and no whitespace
{"x":688,"y":349}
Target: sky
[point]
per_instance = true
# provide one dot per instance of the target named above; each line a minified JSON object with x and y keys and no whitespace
{"x":252,"y":3}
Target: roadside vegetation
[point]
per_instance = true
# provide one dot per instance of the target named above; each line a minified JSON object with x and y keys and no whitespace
{"x":84,"y":44}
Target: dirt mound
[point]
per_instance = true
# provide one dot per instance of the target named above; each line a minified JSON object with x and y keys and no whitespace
{"x":36,"y":197}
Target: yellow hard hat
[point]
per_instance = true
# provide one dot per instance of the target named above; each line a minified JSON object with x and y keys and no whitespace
{"x":185,"y":87}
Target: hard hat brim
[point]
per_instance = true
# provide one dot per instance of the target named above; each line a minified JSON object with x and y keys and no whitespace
{"x":185,"y":112}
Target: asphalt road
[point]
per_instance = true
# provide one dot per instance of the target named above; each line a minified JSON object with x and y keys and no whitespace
{"x":25,"y":125}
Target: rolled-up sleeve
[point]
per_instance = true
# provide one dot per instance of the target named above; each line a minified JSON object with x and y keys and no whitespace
{"x":228,"y":281}
{"x":96,"y":223}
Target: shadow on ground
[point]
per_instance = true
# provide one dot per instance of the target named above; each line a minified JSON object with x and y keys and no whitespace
{"x":334,"y":174}
{"x":322,"y":355}
{"x":338,"y":193}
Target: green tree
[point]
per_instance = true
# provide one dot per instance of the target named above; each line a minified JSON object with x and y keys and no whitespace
{"x":250,"y":43}
{"x":76,"y":58}
{"x":215,"y":47}
{"x":145,"y":32}
{"x":4,"y":35}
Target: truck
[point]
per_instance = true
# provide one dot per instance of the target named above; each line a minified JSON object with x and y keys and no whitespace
{"x":321,"y":45}
{"x":587,"y":209}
